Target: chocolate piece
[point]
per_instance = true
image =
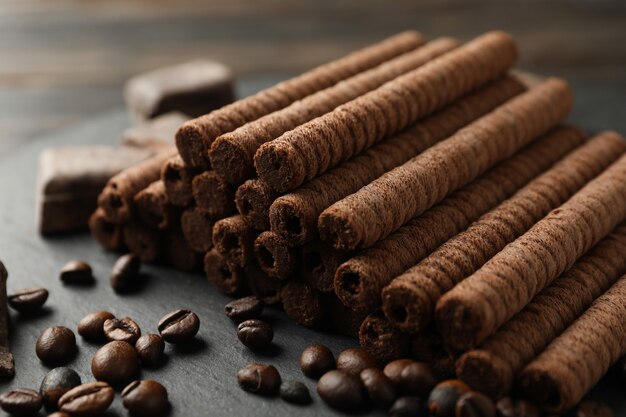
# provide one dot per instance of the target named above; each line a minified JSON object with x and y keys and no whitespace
{"x":319,"y":263}
{"x":492,"y":367}
{"x":253,"y":199}
{"x":574,"y":362}
{"x":409,"y":300}
{"x":194,"y":88}
{"x":197,"y":228}
{"x":277,"y":259}
{"x":227,"y":278}
{"x":195,"y":137}
{"x":234,"y":240}
{"x":232,"y":153}
{"x":177,"y":179}
{"x":385,"y":204}
{"x":117,"y":197}
{"x":213,"y":195}
{"x":142,"y":241}
{"x":70,"y":179}
{"x":313,"y":147}
{"x":7,"y":366}
{"x":359,"y":280}
{"x":302,"y":303}
{"x":154,"y":133}
{"x":107,"y":234}
{"x":378,"y":337}
{"x":154,"y":209}
{"x":178,"y":253}
{"x":509,"y":280}
{"x":294,"y":216}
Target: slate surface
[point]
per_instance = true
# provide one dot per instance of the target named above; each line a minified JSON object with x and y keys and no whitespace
{"x":201,"y":379}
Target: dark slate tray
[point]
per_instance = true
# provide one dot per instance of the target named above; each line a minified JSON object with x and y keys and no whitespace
{"x":201,"y":378}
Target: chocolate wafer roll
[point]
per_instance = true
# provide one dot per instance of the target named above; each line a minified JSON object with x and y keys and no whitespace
{"x":107,"y":234}
{"x":275,"y":257}
{"x":177,"y":178}
{"x":409,"y":300}
{"x":312,"y":148}
{"x":117,"y":197}
{"x":213,"y":195}
{"x":154,"y":209}
{"x":360,"y":280}
{"x":576,"y":360}
{"x":261,"y":284}
{"x":302,"y":303}
{"x":385,"y":204}
{"x":178,"y":253}
{"x":234,"y":240}
{"x":319,"y":263}
{"x":253,"y":199}
{"x":197,"y":227}
{"x":381,"y":339}
{"x":195,"y":137}
{"x":226,"y":277}
{"x":491,"y":368}
{"x":481,"y":303}
{"x":232,"y":153}
{"x":294,"y":215}
{"x":142,"y":241}
{"x":428,"y":347}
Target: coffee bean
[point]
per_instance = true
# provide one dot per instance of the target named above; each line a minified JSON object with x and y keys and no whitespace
{"x":442,"y":399}
{"x":255,"y":334}
{"x":21,"y":402}
{"x":259,"y":379}
{"x":125,"y":273}
{"x":56,"y":383}
{"x":316,"y":360}
{"x":411,"y":378}
{"x":179,"y":326}
{"x":90,"y":399}
{"x":342,"y":390}
{"x":295,"y":392}
{"x":28,"y":300}
{"x":146,"y":398}
{"x":593,"y":409}
{"x":115,"y":363}
{"x":245,"y":308}
{"x":475,"y":404}
{"x":91,"y":326}
{"x":379,"y":388}
{"x":150,"y":348}
{"x":507,"y":407}
{"x":56,"y":345}
{"x":123,"y":330}
{"x":354,"y":360}
{"x":76,"y":272}
{"x":59,"y":414}
{"x":409,"y":407}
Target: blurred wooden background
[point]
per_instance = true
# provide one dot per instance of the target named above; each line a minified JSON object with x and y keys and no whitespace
{"x":64,"y":60}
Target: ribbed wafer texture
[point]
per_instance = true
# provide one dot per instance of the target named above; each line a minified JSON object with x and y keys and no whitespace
{"x":275,"y":257}
{"x":294,"y":215}
{"x":197,"y":227}
{"x":385,"y":204}
{"x":253,"y":199}
{"x":154,"y":208}
{"x":478,"y":305}
{"x":491,"y":368}
{"x":226,"y":277}
{"x":195,"y":137}
{"x":359,"y":281}
{"x":234,"y":240}
{"x":312,"y":148}
{"x":409,"y":300}
{"x":381,"y":339}
{"x":574,"y":362}
{"x":232,"y":153}
{"x":177,"y":178}
{"x":213,"y":195}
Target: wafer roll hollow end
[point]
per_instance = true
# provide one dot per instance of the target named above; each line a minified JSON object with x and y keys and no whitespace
{"x":408,"y":309}
{"x":276,"y":164}
{"x":319,"y":264}
{"x":274,"y":256}
{"x":107,"y":234}
{"x":485,"y":372}
{"x":234,"y":239}
{"x":294,"y":222}
{"x":378,"y":337}
{"x":213,"y":195}
{"x":340,"y":231}
{"x":191,"y":146}
{"x":230,"y":161}
{"x":353,"y":288}
{"x":253,"y":199}
{"x":225,"y":277}
{"x":462,"y":323}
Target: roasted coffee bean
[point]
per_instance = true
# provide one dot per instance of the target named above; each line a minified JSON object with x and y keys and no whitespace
{"x":245,"y":308}
{"x":145,"y":398}
{"x":409,"y":407}
{"x":475,"y":404}
{"x":354,"y":360}
{"x":125,"y":273}
{"x":508,"y":407}
{"x":91,"y":327}
{"x":21,"y":402}
{"x":379,"y":388}
{"x":593,"y":409}
{"x":255,"y":334}
{"x":316,"y":360}
{"x":411,"y":378}
{"x":90,"y":399}
{"x":259,"y":379}
{"x":76,"y":272}
{"x":115,"y":363}
{"x":27,"y":300}
{"x":150,"y":348}
{"x":179,"y":326}
{"x":56,"y":345}
{"x":295,"y":392}
{"x":442,"y":399}
{"x":123,"y":330}
{"x":59,"y":414}
{"x":342,"y":390}
{"x":56,"y":383}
